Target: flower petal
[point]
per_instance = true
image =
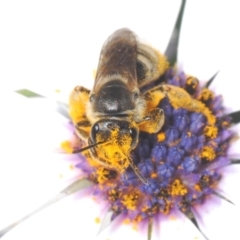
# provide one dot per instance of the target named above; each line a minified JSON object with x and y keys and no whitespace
{"x":68,"y":219}
{"x":30,"y":172}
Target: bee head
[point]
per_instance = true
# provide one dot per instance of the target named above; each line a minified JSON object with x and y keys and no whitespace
{"x":119,"y":138}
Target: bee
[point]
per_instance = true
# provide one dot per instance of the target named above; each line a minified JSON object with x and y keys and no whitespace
{"x":109,"y":118}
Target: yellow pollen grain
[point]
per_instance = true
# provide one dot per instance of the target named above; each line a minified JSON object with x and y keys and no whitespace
{"x":57,"y":90}
{"x":154,"y":175}
{"x":197,"y":187}
{"x":97,"y":220}
{"x":130,"y":201}
{"x":225,"y":124}
{"x":71,"y":167}
{"x":135,"y":227}
{"x":138,"y":218}
{"x":60,"y":176}
{"x":115,"y":151}
{"x":189,"y":134}
{"x":101,"y":174}
{"x":67,"y":147}
{"x":208,"y":153}
{"x":126,"y":221}
{"x":173,"y":218}
{"x":211,"y":131}
{"x":206,"y":94}
{"x":178,"y":189}
{"x":161,"y":137}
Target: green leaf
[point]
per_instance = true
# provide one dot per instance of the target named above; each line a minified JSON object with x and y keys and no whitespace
{"x":172,"y":48}
{"x":28,"y":93}
{"x":71,"y":189}
{"x":61,"y":107}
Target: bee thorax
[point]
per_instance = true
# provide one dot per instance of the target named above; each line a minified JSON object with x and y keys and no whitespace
{"x":114,"y":97}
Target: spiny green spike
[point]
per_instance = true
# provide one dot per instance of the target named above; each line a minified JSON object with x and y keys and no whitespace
{"x":28,"y":93}
{"x":190,"y":215}
{"x":106,"y":221}
{"x":72,"y":188}
{"x":150,"y":228}
{"x":235,"y":161}
{"x":61,"y":107}
{"x":235,"y":116}
{"x":211,"y":80}
{"x":172,"y":48}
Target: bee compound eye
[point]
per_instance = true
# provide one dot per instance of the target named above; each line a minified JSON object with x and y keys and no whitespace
{"x":133,"y":133}
{"x":95,"y":129}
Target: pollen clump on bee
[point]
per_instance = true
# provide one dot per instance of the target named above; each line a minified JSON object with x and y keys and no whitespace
{"x":116,"y":148}
{"x":78,"y":103}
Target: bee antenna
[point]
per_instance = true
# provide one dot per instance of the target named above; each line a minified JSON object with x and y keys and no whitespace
{"x":137,"y":172}
{"x":87,"y":147}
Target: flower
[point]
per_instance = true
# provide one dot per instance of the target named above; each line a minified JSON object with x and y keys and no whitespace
{"x":42,"y":169}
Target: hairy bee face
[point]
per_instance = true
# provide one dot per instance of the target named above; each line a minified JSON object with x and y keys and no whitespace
{"x":118,"y":138}
{"x":109,"y":117}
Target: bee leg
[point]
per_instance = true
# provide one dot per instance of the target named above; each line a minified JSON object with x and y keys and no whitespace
{"x":77,"y":105}
{"x":153,"y":122}
{"x":83,"y":129}
{"x":137,"y":172}
{"x":179,"y":98}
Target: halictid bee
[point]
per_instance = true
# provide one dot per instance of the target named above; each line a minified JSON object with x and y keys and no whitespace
{"x":109,"y":117}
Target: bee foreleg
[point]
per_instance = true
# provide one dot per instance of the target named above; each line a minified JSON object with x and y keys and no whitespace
{"x":77,"y":104}
{"x":179,"y":98}
{"x":83,"y":128}
{"x":153,"y":122}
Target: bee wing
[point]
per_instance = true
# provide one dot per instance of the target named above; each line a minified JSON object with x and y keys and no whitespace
{"x":118,"y":58}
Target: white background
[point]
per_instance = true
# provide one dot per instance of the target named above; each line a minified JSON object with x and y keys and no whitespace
{"x":48,"y":45}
